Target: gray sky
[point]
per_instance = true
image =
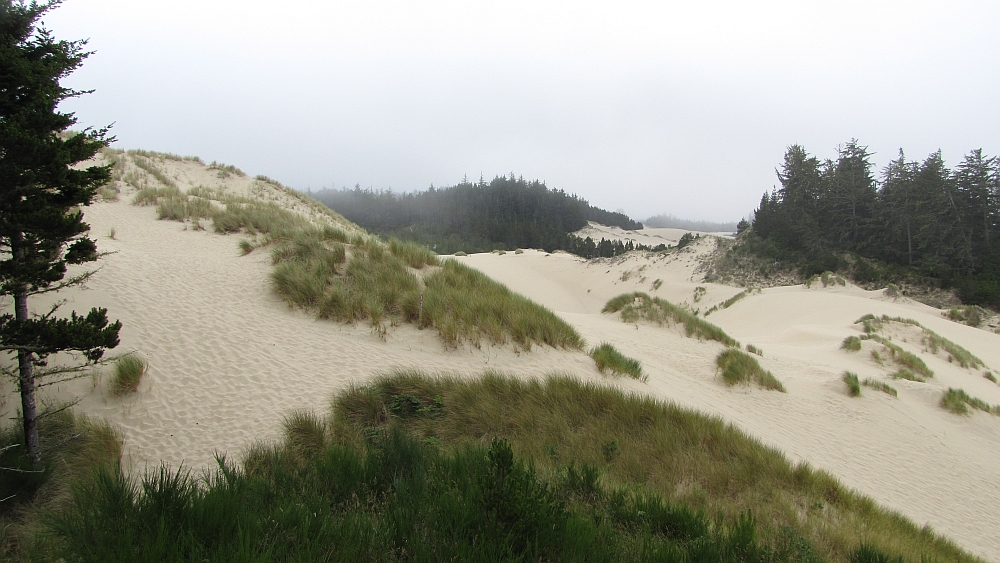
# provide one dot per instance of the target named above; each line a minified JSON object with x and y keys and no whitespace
{"x":649,"y":107}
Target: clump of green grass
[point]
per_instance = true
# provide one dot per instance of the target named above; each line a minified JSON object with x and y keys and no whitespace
{"x":755,"y":350}
{"x":968,"y":314}
{"x":610,"y":359}
{"x":152,"y":195}
{"x":851,"y":344}
{"x":415,"y":255}
{"x":989,"y":375}
{"x":128,"y":372}
{"x":880,"y":386}
{"x":740,"y":368}
{"x":638,"y":305}
{"x":465,"y":304}
{"x":958,"y":402}
{"x":853,"y":385}
{"x":305,"y":433}
{"x":903,"y":373}
{"x":903,"y":358}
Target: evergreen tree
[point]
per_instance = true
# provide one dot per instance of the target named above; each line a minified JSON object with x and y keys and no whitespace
{"x":41,"y":192}
{"x":977,"y":181}
{"x":899,"y":210}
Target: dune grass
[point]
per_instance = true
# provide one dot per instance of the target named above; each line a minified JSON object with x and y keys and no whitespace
{"x":989,"y":375}
{"x":851,"y":344}
{"x":75,"y":448}
{"x":880,"y":386}
{"x":683,"y":456}
{"x":903,"y":373}
{"x":727,"y":303}
{"x":465,"y":304}
{"x":755,"y":350}
{"x":739,"y":368}
{"x":128,"y":372}
{"x":638,"y":305}
{"x":853,"y":385}
{"x":492,"y":469}
{"x":610,"y":359}
{"x":932,"y":340}
{"x":906,"y":360}
{"x":415,"y":255}
{"x":958,"y":402}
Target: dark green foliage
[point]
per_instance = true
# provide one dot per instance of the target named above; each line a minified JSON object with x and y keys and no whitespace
{"x":41,"y":192}
{"x":686,"y":239}
{"x":924,"y":222}
{"x":506,"y":213}
{"x":739,"y":368}
{"x":610,"y":359}
{"x":395,"y":500}
{"x":638,"y":305}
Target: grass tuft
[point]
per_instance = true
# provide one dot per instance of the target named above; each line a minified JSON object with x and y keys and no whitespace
{"x":851,"y":344}
{"x":958,"y":402}
{"x":415,"y":255}
{"x":638,"y":305}
{"x":853,"y":385}
{"x":880,"y":386}
{"x":903,"y":373}
{"x":739,"y":368}
{"x":755,"y":350}
{"x":608,"y":358}
{"x":128,"y":372}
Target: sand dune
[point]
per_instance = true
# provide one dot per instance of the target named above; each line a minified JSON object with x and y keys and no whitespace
{"x":228,"y":359}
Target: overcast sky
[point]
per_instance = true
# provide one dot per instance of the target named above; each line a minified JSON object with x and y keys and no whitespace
{"x":648,"y":107}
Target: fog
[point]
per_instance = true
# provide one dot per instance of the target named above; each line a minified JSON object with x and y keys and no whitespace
{"x":676,"y":108}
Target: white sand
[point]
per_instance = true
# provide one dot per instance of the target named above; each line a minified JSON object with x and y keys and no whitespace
{"x":228,"y":360}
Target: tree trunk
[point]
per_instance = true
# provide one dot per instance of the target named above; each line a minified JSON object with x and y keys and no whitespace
{"x":26,"y":370}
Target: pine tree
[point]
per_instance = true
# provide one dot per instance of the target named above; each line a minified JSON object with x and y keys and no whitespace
{"x":41,"y":192}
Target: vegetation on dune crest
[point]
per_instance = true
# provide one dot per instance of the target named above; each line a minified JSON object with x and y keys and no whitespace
{"x":487,"y":469}
{"x":958,"y":402}
{"x":880,"y":386}
{"x":739,"y":368}
{"x":638,"y":305}
{"x":930,"y":339}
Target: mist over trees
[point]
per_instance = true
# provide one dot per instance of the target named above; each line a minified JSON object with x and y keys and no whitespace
{"x":505,"y":213}
{"x":668,"y":221}
{"x":919,"y":215}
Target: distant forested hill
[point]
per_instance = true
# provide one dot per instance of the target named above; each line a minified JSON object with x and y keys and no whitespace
{"x":505,"y":213}
{"x":916,"y":217}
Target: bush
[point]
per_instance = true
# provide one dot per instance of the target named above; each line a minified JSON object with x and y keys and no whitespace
{"x":853,"y":386}
{"x":128,"y":372}
{"x":738,"y":367}
{"x":608,"y":358}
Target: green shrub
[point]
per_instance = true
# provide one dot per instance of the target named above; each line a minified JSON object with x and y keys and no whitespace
{"x":880,"y":386}
{"x":851,"y":344}
{"x":853,"y":385}
{"x":968,"y":314}
{"x":608,"y":358}
{"x":128,"y":372}
{"x":738,"y":367}
{"x":638,"y":305}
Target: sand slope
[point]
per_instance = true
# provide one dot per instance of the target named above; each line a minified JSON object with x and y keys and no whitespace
{"x":228,"y":360}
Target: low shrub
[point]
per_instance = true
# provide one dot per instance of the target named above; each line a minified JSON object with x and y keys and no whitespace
{"x":608,"y":358}
{"x":853,"y":385}
{"x":738,"y":367}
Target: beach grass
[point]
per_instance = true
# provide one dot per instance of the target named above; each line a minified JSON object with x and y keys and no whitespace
{"x":932,"y":340}
{"x":415,"y":255}
{"x":958,"y":402}
{"x":903,"y":358}
{"x":904,"y":373}
{"x":740,"y":368}
{"x":128,"y":372}
{"x":880,"y":386}
{"x":492,"y":468}
{"x":853,"y":385}
{"x":755,"y":350}
{"x":608,"y":358}
{"x":851,"y":344}
{"x":638,"y":305}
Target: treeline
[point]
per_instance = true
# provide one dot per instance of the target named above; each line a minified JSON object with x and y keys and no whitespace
{"x":917,"y":215}
{"x":505,"y":213}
